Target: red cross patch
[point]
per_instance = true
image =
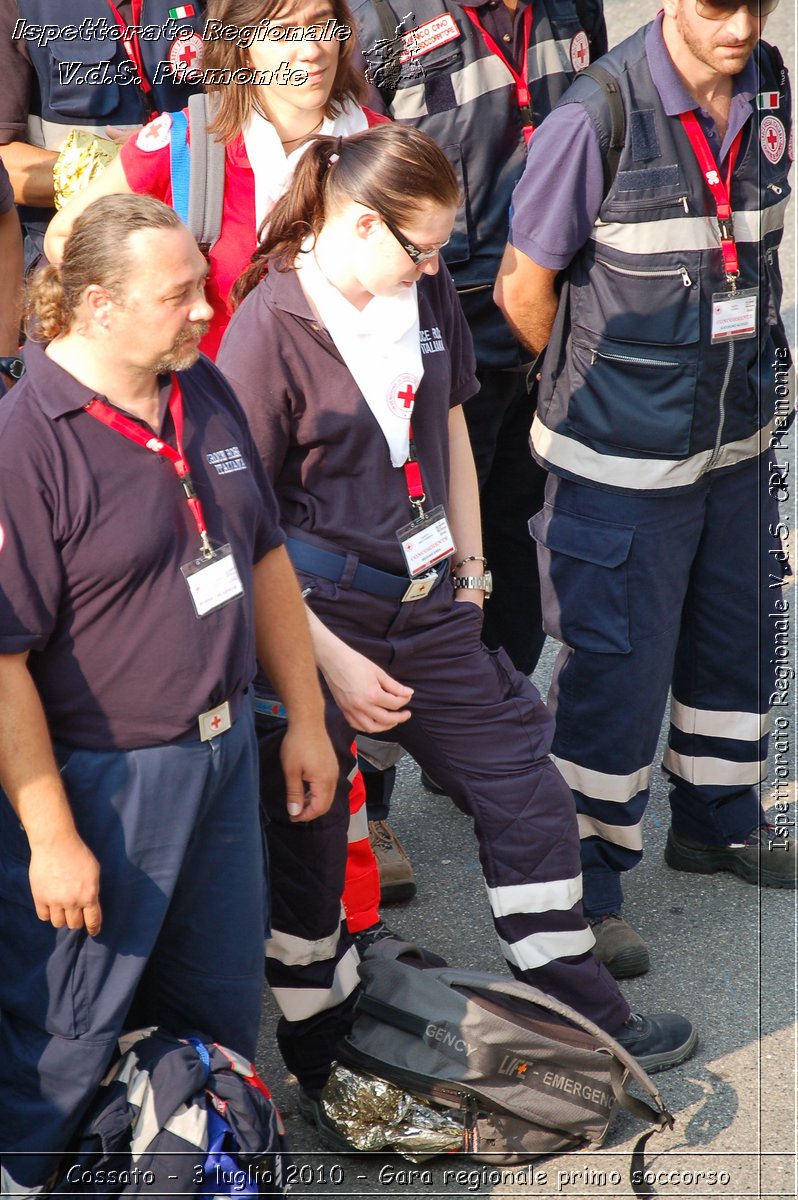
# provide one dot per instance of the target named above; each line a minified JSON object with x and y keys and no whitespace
{"x":402,"y":396}
{"x":155,"y":135}
{"x":185,"y":58}
{"x":579,"y":50}
{"x":772,"y":138}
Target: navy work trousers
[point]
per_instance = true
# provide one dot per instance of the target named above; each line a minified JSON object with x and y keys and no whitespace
{"x":511,"y":487}
{"x":176,"y":832}
{"x":480,"y":729}
{"x":649,"y":593}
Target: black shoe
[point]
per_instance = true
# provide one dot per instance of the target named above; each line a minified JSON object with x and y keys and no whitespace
{"x":429,"y":783}
{"x":619,"y":946}
{"x":312,"y":1111}
{"x":374,"y":933}
{"x":658,"y":1042}
{"x":753,"y":860}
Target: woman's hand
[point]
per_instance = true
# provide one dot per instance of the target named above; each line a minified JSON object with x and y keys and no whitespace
{"x":370,"y":699}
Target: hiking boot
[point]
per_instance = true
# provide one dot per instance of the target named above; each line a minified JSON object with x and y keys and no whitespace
{"x":618,"y":946}
{"x":311,"y":1110}
{"x":367,"y":937}
{"x":396,"y":871}
{"x":429,"y":783}
{"x":752,"y":859}
{"x":658,"y":1042}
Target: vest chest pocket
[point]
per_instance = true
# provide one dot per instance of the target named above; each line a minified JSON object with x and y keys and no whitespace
{"x":84,"y":78}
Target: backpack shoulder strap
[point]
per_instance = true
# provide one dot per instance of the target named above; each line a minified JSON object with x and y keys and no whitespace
{"x":206,"y":184}
{"x":179,"y":165}
{"x":617,"y":114}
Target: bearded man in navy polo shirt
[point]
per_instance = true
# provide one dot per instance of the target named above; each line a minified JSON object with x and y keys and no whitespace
{"x":142,"y":570}
{"x":655,"y":281}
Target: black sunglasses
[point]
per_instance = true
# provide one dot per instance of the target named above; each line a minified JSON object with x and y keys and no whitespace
{"x":415,"y":253}
{"x":722,"y":10}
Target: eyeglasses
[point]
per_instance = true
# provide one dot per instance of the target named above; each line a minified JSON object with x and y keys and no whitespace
{"x":415,"y":253}
{"x":722,"y":10}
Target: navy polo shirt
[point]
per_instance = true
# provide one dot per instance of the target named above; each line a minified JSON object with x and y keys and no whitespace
{"x":322,"y":447}
{"x":93,"y":532}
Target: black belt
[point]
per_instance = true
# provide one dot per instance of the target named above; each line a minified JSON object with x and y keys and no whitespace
{"x":332,"y":566}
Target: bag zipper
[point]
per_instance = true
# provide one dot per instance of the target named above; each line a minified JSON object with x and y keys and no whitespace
{"x":680,"y":270}
{"x":629,"y":358}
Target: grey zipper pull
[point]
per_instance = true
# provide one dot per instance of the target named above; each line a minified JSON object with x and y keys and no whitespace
{"x":686,"y":280}
{"x":684,"y":202}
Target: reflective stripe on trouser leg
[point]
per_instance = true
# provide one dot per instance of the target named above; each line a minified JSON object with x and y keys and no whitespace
{"x":726,"y":660}
{"x":614,"y":571}
{"x":480,"y":728}
{"x":311,"y":963}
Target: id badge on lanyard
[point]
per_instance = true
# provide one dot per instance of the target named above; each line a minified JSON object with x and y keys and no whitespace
{"x":427,"y":539}
{"x":212,"y":578}
{"x":734,"y":311}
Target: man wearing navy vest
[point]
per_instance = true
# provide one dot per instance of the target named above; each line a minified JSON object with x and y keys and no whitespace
{"x":478,"y":78}
{"x":76,"y":66}
{"x":651,"y":274}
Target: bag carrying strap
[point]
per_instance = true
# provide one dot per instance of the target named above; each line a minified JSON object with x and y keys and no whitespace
{"x":197,"y":173}
{"x":609,"y":85}
{"x":179,"y":165}
{"x":206,"y":194}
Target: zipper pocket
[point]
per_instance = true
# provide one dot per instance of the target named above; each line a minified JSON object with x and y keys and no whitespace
{"x":477,"y":287}
{"x":651,"y":202}
{"x":664,"y":274}
{"x":629,"y":358}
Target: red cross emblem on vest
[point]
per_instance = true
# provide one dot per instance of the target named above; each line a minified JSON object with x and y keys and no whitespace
{"x":216,"y":721}
{"x":187,"y":57}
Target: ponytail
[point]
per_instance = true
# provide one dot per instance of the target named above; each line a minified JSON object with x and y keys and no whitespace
{"x":381,"y":168}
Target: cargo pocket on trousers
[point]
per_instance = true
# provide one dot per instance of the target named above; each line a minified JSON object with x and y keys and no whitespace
{"x":583,"y":580}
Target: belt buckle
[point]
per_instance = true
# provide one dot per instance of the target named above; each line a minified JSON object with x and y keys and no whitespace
{"x":421,"y":587}
{"x":214,"y":721}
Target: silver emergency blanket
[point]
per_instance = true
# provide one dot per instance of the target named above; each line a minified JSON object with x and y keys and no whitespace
{"x":374,"y":1115}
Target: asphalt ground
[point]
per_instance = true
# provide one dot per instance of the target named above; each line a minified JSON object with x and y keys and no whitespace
{"x":722,"y":953}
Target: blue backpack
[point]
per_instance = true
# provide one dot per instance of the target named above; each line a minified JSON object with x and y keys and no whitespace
{"x":178,"y":1116}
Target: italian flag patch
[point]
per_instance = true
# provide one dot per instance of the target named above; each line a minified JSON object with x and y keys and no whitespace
{"x":767,"y":100}
{"x":177,"y":14}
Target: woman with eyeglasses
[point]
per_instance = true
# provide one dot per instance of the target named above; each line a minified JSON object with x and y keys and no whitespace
{"x":352,"y":360}
{"x":294,"y":77}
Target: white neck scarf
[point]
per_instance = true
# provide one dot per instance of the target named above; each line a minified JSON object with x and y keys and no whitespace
{"x":380,"y":346}
{"x":273,"y":168}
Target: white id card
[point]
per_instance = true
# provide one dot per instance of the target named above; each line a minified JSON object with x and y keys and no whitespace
{"x":213,"y":581}
{"x":734,"y":315}
{"x":426,"y":541}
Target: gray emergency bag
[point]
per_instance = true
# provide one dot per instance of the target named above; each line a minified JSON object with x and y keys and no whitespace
{"x":529,"y":1075}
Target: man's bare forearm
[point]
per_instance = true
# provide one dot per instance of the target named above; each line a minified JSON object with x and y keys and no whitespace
{"x":30,"y":170}
{"x":527,"y":295}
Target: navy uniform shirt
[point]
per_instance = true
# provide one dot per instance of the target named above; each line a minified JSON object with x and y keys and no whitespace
{"x":93,"y":532}
{"x":320,"y":443}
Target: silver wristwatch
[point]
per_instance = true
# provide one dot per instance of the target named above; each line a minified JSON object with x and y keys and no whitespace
{"x":482,"y":583}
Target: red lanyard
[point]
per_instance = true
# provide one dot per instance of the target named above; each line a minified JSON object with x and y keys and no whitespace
{"x":721,"y":191}
{"x":521,"y":80}
{"x":137,"y":433}
{"x":412,"y":470}
{"x":131,"y":42}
